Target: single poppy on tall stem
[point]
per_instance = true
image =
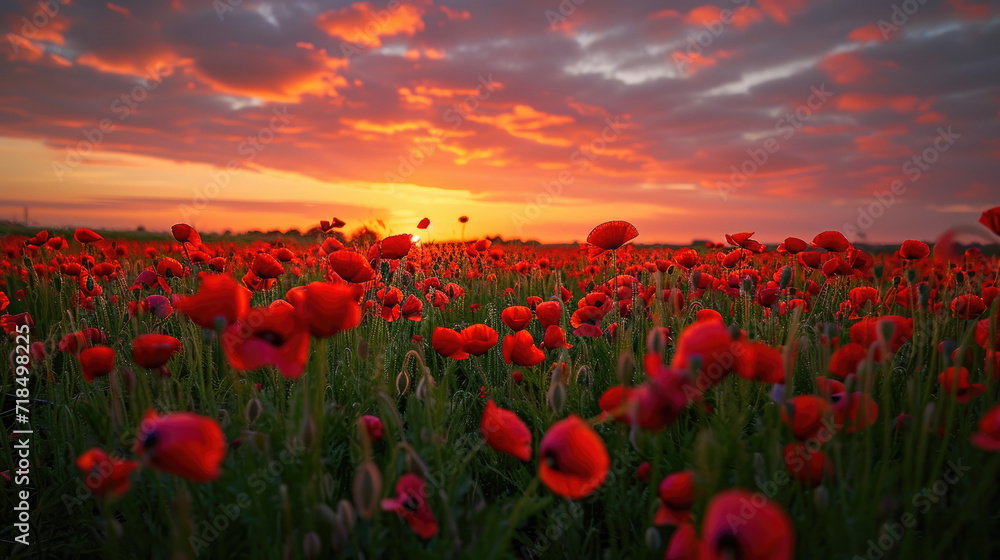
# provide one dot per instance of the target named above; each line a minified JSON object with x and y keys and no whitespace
{"x":609,"y":236}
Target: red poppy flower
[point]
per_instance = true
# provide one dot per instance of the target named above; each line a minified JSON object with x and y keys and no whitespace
{"x":794,"y":245}
{"x":424,"y":223}
{"x":449,"y":343}
{"x":991,"y":219}
{"x":411,"y":504}
{"x":573,"y":460}
{"x":478,"y":339}
{"x":520,"y":349}
{"x":806,"y":415}
{"x":97,"y":362}
{"x":988,"y":436}
{"x":981,"y":334}
{"x":956,"y":381}
{"x":326,"y":308}
{"x":846,"y":359}
{"x":84,"y":235}
{"x":806,"y":465}
{"x":743,"y":241}
{"x":761,"y":363}
{"x":868,"y":331}
{"x":73,"y":343}
{"x":328,"y":225}
{"x":555,"y":337}
{"x":350,"y":266}
{"x":330,"y":245}
{"x":220,"y":302}
{"x":185,"y":234}
{"x":152,"y":351}
{"x":968,"y":306}
{"x":275,"y":335}
{"x":516,"y":317}
{"x":586,"y":321}
{"x":395,"y":247}
{"x":856,"y":411}
{"x":832,"y":241}
{"x":677,"y":496}
{"x":105,"y":476}
{"x":913,"y":250}
{"x":505,"y":432}
{"x":610,"y":236}
{"x":390,"y":298}
{"x":265,"y":266}
{"x":862,"y":296}
{"x":708,"y":348}
{"x":684,"y":544}
{"x":39,"y":238}
{"x":412,"y":308}
{"x":374,"y":427}
{"x":740,"y":524}
{"x":183,"y":444}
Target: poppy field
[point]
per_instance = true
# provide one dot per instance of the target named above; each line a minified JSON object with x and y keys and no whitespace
{"x":323,"y":395}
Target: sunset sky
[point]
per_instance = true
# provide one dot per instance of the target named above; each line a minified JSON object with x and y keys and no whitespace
{"x":273,"y":115}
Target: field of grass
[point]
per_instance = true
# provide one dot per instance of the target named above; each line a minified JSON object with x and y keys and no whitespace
{"x":816,"y":414}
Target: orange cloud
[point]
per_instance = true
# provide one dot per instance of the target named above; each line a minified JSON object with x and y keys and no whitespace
{"x":848,"y":68}
{"x":364,"y":25}
{"x":781,"y":11}
{"x":972,"y":11}
{"x":455,"y":14}
{"x":860,"y":102}
{"x":274,"y":78}
{"x":526,"y":122}
{"x":870,"y":32}
{"x":711,"y":15}
{"x":930,"y":118}
{"x":120,"y":9}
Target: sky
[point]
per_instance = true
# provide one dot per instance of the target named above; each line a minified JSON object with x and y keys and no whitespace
{"x":535,"y":118}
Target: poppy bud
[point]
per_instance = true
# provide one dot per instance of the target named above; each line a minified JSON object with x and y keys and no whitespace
{"x":253,"y":410}
{"x":425,"y":386}
{"x":734,"y":331}
{"x":366,"y":489}
{"x":626,"y":366}
{"x":923,"y":295}
{"x":339,"y":536}
{"x":405,"y":378}
{"x":653,"y":540}
{"x":557,"y":397}
{"x":911,"y":276}
{"x":311,"y":545}
{"x":821,"y":498}
{"x":695,"y":279}
{"x":670,"y":270}
{"x":518,"y":377}
{"x":747,"y":285}
{"x":786,"y":277}
{"x":959,"y":278}
{"x":887,"y":329}
{"x":326,"y":513}
{"x":656,"y":342}
{"x":307,"y":433}
{"x":644,"y":472}
{"x":346,"y":515}
{"x":878,"y":269}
